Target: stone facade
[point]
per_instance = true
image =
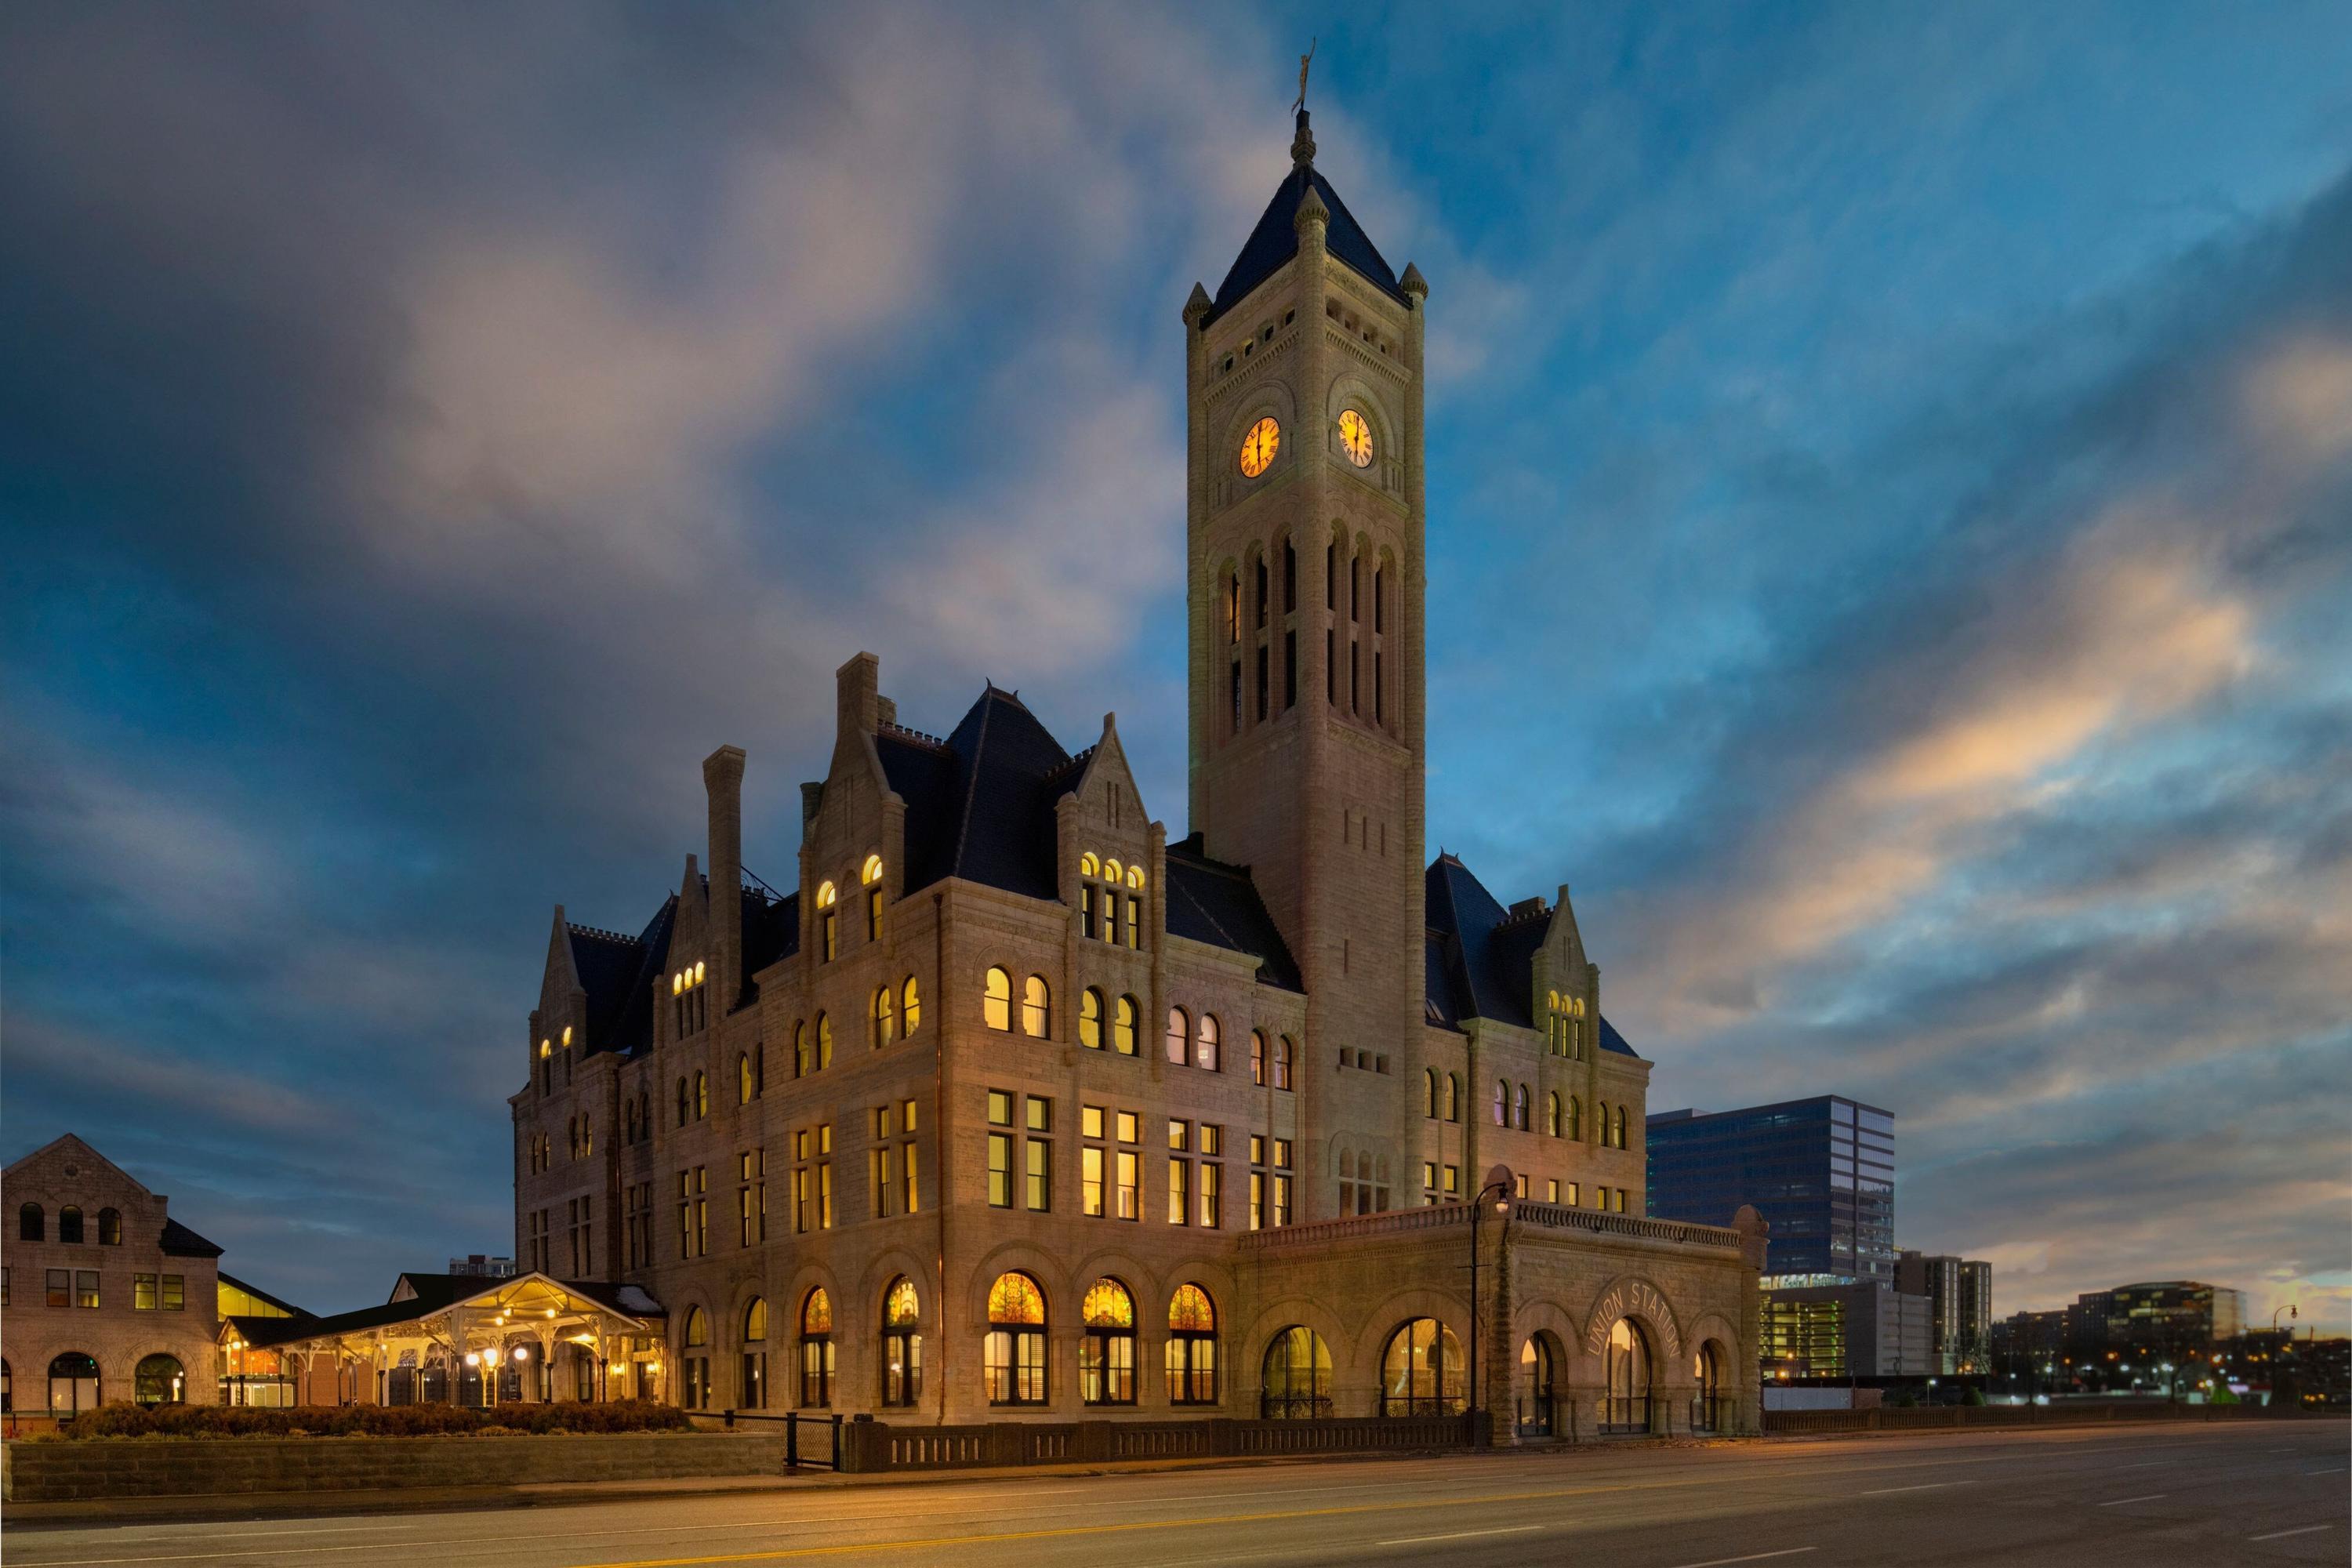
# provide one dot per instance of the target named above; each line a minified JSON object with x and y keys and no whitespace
{"x":1000,"y":1025}
{"x":98,"y":1267}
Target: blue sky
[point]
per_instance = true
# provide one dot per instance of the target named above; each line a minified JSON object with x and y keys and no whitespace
{"x":1890,"y":529}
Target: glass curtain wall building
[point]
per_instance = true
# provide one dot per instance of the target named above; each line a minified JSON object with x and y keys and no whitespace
{"x":1821,"y":1171}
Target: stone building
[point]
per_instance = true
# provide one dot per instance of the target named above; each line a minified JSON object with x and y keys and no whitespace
{"x":107,"y":1297}
{"x":1005,"y":1103}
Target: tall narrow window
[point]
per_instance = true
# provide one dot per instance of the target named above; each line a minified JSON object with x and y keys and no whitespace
{"x":1289,"y":670}
{"x":1107,"y":1353}
{"x":828,"y":933}
{"x":1259,"y":609}
{"x":911,"y":1008}
{"x":1206,"y":1045}
{"x":816,"y":1351}
{"x":1012,"y":1361}
{"x":1179,"y":1036}
{"x":1257,"y":1057}
{"x":1124,"y":1022}
{"x":1036,"y":1008}
{"x":902,"y":1345}
{"x":1285,"y":1059}
{"x":1330,"y":669}
{"x":871,"y":876}
{"x":1289,"y":575}
{"x":996,"y":1000}
{"x":1192,"y":1347}
{"x":1262,"y":680}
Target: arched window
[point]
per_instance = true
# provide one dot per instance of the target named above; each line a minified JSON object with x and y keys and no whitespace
{"x":1107,"y":1353}
{"x":1627,"y":1408}
{"x":1537,"y":1380}
{"x":701,"y":1096}
{"x":872,"y":878}
{"x":884,"y":1017}
{"x":996,"y":1000}
{"x":1294,"y":1384}
{"x":1124,"y":1020}
{"x":1600,"y":1116}
{"x":1551,"y":1114}
{"x":1192,"y":1347}
{"x":1206,"y":1052}
{"x":1036,"y":1008}
{"x":912,"y":1004}
{"x":1421,"y":1371}
{"x":754,"y":1384}
{"x":160,"y":1380}
{"x":1257,"y":1057}
{"x":1520,"y":1110}
{"x":902,"y":1345}
{"x":1453,"y":1096}
{"x":828,"y":927}
{"x":685,"y":1101}
{"x":69,"y":1225}
{"x":1621,"y":1127}
{"x":1502,"y":1103}
{"x":1179,"y":1036}
{"x":1575,"y":1118}
{"x":1710,"y":1411}
{"x":694,"y":1381}
{"x":32,"y":1223}
{"x":1431,"y":1075}
{"x":1285,"y":1062}
{"x":109,"y":1227}
{"x":816,"y":1351}
{"x":824,"y":1041}
{"x":73,"y":1383}
{"x":1091,"y":1018}
{"x":1013,"y":1362}
{"x":743,"y":1078}
{"x":801,"y":1066}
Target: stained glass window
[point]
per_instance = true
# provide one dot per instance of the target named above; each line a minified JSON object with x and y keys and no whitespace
{"x":1014,"y":1299}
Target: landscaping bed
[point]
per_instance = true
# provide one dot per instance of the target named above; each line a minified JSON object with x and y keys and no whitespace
{"x":367,"y":1421}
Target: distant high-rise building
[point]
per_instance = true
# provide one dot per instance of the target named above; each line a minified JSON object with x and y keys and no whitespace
{"x":1860,"y":1329}
{"x":1820,"y":1171}
{"x":1959,"y":1307}
{"x":476,"y":1263}
{"x":2157,"y":1316}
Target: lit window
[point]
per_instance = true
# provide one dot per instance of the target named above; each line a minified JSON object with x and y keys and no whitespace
{"x":1088,"y":866}
{"x":1036,"y":1007}
{"x":1192,"y":1347}
{"x":1090,"y":1020}
{"x":1123,"y":1025}
{"x":912,"y":1004}
{"x":1179,"y":1036}
{"x":884,"y":1018}
{"x":996,"y":1001}
{"x":1107,"y":1353}
{"x":1205,"y":1046}
{"x":1012,"y":1361}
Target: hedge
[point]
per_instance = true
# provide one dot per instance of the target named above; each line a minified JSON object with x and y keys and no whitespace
{"x":369,"y":1420}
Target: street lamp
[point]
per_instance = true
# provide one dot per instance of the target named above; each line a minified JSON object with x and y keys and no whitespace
{"x":1498,"y":1183}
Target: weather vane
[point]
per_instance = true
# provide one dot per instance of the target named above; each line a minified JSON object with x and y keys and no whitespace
{"x":1300,"y":107}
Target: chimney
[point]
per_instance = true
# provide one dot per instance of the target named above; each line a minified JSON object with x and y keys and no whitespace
{"x":859,"y":687}
{"x":722,"y":776}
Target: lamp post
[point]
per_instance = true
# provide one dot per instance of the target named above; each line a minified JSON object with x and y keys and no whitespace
{"x":1498,"y":1183}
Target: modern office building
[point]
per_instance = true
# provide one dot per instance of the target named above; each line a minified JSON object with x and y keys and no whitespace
{"x":1816,"y":1327}
{"x":1819,"y":1170}
{"x":2162,"y":1315}
{"x":1959,"y":1307}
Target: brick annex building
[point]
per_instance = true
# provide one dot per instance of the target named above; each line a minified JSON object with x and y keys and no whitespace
{"x":1013,"y":1107}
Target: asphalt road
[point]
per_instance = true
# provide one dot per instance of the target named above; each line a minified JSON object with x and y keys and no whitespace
{"x":2082,"y":1497}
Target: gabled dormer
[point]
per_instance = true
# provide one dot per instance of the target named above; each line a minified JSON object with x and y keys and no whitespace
{"x":1565,"y":992}
{"x":1111,"y":855}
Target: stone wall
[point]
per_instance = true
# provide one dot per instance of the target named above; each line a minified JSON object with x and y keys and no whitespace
{"x":171,"y":1466}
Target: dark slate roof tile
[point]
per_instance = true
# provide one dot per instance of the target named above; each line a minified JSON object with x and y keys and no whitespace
{"x":1274,"y":241}
{"x":1210,"y":902}
{"x":179,"y":1241}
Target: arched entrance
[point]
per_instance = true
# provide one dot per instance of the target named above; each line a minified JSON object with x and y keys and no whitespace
{"x":160,"y":1380}
{"x":1710,"y":1407}
{"x":1538,"y":1369}
{"x":1627,"y":1408}
{"x":1294,"y":1384}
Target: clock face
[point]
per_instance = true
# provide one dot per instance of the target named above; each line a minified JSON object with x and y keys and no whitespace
{"x":1259,"y":446}
{"x":1355,"y":439}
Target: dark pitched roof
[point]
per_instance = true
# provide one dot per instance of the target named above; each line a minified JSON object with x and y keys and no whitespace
{"x":771,"y":930}
{"x":1481,"y":957}
{"x":618,"y":974}
{"x":179,"y":1241}
{"x":1274,"y":241}
{"x":432,"y":1293}
{"x":1213,"y":902}
{"x":979,"y":803}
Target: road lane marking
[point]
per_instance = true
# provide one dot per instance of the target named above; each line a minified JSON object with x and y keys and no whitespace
{"x":2152,"y":1497}
{"x":1753,"y":1557}
{"x":2337,"y":1471}
{"x":1459,"y":1535}
{"x":1921,"y":1487}
{"x":2298,"y":1530}
{"x":2145,"y":1464}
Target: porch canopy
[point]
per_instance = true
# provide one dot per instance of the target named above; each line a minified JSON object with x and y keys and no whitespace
{"x":453,"y":1335}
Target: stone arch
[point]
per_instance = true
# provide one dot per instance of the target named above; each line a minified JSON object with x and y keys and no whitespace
{"x":1268,"y":398}
{"x":1350,"y":389}
{"x":1051,"y":1274}
{"x":1246,"y":1343}
{"x":1636,"y":1297}
{"x":875,"y":1278}
{"x":1371,"y":1334}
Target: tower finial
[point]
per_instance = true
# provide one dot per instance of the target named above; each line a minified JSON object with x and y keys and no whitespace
{"x":1300,"y":107}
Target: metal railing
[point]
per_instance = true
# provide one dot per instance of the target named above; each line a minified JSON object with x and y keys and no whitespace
{"x":823,"y":1453}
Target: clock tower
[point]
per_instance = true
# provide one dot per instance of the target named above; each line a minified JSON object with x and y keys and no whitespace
{"x":1304,"y":589}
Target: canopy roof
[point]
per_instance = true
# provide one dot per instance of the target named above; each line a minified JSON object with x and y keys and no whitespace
{"x":461,"y":1312}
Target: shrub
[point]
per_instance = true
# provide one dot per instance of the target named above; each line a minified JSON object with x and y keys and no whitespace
{"x":1972,"y":1395}
{"x":369,"y":1420}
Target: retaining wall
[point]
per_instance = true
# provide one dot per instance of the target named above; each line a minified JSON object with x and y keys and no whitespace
{"x":101,"y":1468}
